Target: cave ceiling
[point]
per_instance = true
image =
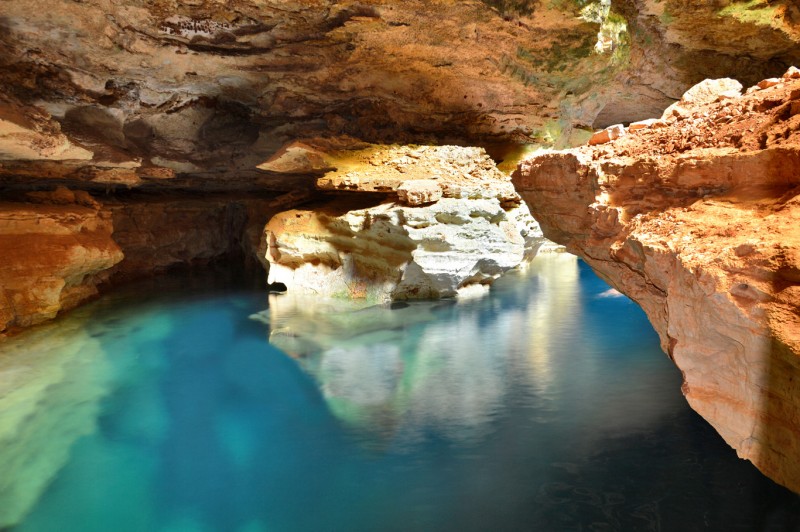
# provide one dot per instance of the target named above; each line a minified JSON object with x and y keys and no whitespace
{"x":197,"y":94}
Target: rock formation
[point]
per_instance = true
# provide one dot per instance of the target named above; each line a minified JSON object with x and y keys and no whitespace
{"x":191,"y":98}
{"x":170,"y":94}
{"x":52,"y":258}
{"x":179,"y":128}
{"x":697,"y":221}
{"x":57,"y":247}
{"x":454,"y":225}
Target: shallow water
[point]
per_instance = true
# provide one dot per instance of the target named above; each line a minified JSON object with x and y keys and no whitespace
{"x":546,"y":405}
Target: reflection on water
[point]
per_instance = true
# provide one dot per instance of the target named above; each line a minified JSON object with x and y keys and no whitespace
{"x":448,"y":368}
{"x":546,"y":405}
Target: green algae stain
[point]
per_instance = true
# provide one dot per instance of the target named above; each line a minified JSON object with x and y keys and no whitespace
{"x":515,"y":154}
{"x":756,"y":12}
{"x":666,"y":17}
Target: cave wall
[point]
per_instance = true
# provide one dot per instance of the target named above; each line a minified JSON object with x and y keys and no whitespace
{"x":696,"y":220}
{"x":53,"y":256}
{"x":59,"y":251}
{"x":188,"y":103}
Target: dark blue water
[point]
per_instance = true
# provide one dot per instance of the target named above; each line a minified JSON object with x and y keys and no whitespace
{"x":546,"y":405}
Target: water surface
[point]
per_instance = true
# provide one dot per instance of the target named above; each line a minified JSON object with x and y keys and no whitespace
{"x":546,"y":405}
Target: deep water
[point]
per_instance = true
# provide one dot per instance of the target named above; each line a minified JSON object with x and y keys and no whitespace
{"x":546,"y":406}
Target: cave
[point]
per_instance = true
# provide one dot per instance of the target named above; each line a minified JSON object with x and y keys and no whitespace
{"x":367,"y":265}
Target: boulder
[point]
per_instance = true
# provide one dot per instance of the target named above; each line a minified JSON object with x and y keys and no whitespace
{"x":392,"y":251}
{"x":767,"y":83}
{"x":792,"y":73}
{"x":450,"y":222}
{"x":646,"y":124}
{"x":419,"y":192}
{"x":607,"y":135}
{"x":706,"y":92}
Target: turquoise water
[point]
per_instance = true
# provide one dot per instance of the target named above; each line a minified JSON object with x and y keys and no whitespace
{"x":546,"y":405}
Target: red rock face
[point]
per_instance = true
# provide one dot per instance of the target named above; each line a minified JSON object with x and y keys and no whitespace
{"x":54,"y":255}
{"x":52,"y":258}
{"x":698,"y":223}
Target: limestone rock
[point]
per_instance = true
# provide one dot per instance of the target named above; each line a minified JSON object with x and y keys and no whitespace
{"x":395,"y":252}
{"x":297,"y":158}
{"x":158,"y":233}
{"x":703,"y":235}
{"x":767,"y":83}
{"x":384,"y":168}
{"x":155,"y":235}
{"x":457,"y":225}
{"x":52,"y":258}
{"x":57,"y":251}
{"x":138,"y":85}
{"x":419,"y":192}
{"x":646,"y":124}
{"x":705,"y":92}
{"x":792,"y":73}
{"x":35,"y":138}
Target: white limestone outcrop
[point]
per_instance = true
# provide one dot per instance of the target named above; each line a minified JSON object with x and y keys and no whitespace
{"x":393,"y":251}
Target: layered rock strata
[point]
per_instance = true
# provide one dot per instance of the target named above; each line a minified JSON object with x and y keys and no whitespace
{"x":697,"y":222}
{"x":450,"y":234}
{"x":170,"y":94}
{"x":53,"y":256}
{"x":59,"y":247}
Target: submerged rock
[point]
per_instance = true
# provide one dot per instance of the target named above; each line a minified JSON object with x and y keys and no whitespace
{"x":697,"y":222}
{"x":52,"y":381}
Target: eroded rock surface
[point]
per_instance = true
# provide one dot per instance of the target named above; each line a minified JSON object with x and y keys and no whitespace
{"x":53,"y":256}
{"x":189,"y":98}
{"x":58,"y":247}
{"x":697,"y":222}
{"x":459,"y":239}
{"x":173,"y":94}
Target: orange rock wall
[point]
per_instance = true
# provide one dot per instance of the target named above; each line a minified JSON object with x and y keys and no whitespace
{"x":51,"y":258}
{"x":54,"y":256}
{"x":698,"y":223}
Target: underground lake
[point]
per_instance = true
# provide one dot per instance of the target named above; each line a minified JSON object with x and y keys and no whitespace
{"x":196,"y":402}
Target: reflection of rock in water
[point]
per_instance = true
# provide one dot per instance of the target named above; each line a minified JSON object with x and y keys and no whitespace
{"x":51,"y":383}
{"x":303,"y":325}
{"x":556,"y":309}
{"x":359,"y":382}
{"x":443,"y":369}
{"x":404,"y":371}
